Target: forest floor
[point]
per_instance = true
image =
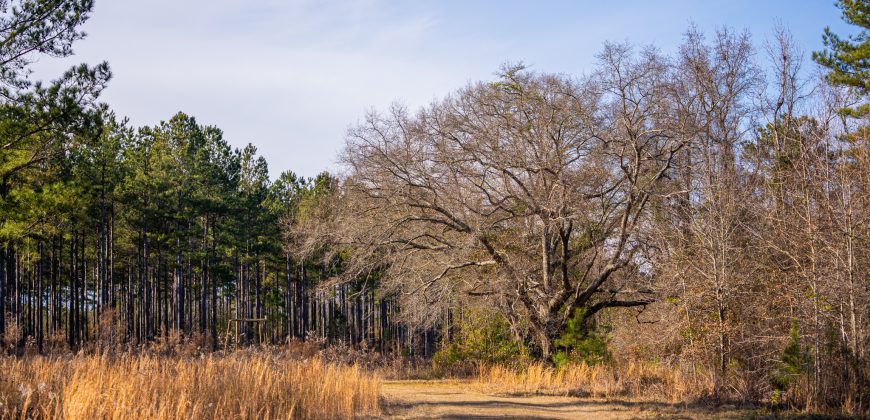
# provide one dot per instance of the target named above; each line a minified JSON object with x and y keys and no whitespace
{"x":462,"y":400}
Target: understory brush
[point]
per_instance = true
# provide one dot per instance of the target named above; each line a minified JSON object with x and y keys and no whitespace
{"x":645,"y":381}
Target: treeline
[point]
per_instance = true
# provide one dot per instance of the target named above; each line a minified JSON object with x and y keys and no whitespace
{"x":132,"y":235}
{"x":124,"y":235}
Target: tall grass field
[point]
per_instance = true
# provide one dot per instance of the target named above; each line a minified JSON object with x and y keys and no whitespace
{"x":243,"y":385}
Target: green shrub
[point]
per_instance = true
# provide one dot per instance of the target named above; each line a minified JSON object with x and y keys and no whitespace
{"x":793,"y":363}
{"x":482,"y":338}
{"x":578,"y":344}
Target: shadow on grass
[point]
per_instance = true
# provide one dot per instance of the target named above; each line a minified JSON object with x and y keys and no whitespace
{"x":444,"y":404}
{"x":502,"y":408}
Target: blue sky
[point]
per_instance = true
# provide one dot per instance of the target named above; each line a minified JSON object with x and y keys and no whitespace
{"x":292,"y":76}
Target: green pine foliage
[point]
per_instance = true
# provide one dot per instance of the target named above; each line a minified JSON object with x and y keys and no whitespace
{"x":846,"y":58}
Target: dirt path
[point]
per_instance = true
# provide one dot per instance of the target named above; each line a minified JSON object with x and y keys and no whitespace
{"x":459,"y":400}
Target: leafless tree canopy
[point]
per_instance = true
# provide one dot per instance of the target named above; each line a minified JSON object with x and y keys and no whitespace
{"x":529,"y":191}
{"x":718,"y":182}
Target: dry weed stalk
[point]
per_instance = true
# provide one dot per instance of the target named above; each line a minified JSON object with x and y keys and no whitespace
{"x":241,"y":385}
{"x":643,"y":381}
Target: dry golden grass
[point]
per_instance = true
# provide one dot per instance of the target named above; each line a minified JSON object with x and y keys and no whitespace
{"x":246,"y":385}
{"x":642,"y":381}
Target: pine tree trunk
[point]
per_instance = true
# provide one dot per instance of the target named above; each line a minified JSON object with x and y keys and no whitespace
{"x":39,"y":295}
{"x":3,"y":281}
{"x":145,"y":287}
{"x":214,"y":319}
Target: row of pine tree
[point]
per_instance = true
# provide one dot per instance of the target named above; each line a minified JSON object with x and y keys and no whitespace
{"x":128,"y":235}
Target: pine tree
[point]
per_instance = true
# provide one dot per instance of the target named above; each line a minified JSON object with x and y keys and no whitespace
{"x":846,"y":58}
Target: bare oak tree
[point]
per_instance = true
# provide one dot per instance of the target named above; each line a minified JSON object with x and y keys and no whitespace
{"x":530,"y":192}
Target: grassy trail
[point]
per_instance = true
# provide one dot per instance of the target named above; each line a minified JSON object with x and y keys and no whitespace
{"x":461,"y":400}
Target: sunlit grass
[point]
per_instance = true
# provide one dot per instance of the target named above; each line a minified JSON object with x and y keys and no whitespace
{"x":249,"y":385}
{"x":633,"y":380}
